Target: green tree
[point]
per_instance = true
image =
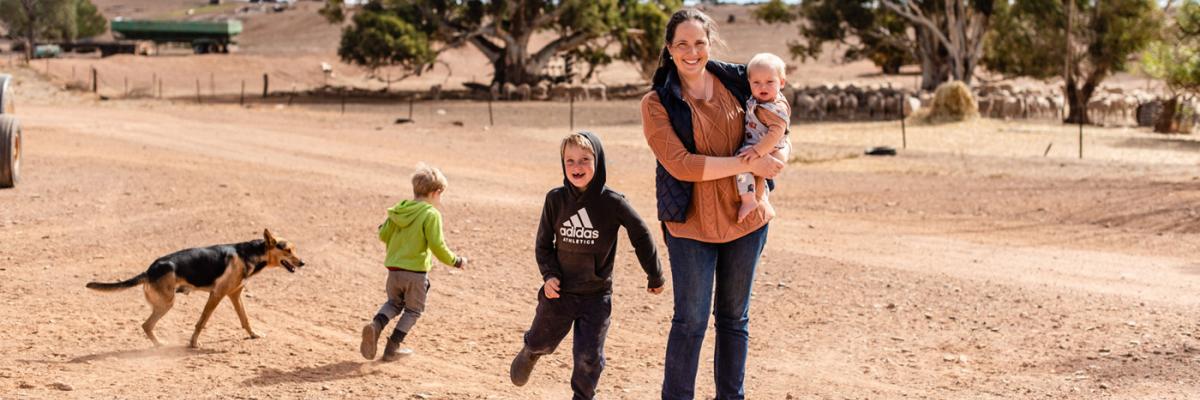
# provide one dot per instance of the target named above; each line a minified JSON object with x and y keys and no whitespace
{"x":949,"y":35}
{"x":380,"y":38}
{"x":31,"y":18}
{"x":1031,"y":38}
{"x":641,"y":32}
{"x":1176,"y":61}
{"x":88,"y":20}
{"x":50,"y":20}
{"x":864,"y":29}
{"x":501,"y":30}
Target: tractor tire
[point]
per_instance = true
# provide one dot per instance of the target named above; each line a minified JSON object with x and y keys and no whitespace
{"x":10,"y":151}
{"x":6,"y":100}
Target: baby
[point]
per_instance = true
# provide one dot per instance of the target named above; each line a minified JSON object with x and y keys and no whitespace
{"x":767,"y":116}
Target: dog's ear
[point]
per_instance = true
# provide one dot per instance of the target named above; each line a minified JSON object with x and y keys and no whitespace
{"x":269,"y":238}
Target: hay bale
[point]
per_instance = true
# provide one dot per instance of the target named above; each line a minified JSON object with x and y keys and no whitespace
{"x":952,"y":102}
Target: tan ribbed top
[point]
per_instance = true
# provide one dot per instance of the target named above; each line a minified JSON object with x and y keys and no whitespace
{"x":718,"y":124}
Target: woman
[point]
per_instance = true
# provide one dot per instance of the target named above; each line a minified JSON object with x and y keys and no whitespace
{"x":693,"y":121}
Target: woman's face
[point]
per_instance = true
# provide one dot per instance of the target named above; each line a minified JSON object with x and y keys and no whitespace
{"x":689,"y":48}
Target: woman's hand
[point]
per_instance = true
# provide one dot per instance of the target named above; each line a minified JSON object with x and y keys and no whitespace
{"x":766,"y":167}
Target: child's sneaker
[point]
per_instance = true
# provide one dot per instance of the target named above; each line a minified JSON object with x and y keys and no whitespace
{"x":522,"y":366}
{"x":392,"y":351}
{"x":370,"y":338}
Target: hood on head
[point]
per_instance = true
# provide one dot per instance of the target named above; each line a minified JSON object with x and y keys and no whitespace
{"x":598,"y":177}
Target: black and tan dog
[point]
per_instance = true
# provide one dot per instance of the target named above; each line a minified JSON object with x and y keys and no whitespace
{"x":221,"y":270}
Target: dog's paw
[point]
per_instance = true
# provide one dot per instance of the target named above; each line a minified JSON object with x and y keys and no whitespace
{"x":193,"y":345}
{"x":256,"y":335}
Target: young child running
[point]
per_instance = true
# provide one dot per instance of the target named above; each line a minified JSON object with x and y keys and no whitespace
{"x":413,"y":233}
{"x":576,"y":247}
{"x":767,"y":116}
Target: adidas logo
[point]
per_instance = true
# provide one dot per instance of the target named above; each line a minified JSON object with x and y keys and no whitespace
{"x":579,"y":227}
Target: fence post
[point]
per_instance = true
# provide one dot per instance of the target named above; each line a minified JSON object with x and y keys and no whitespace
{"x":242,"y":99}
{"x":572,"y":112}
{"x":266,"y":83}
{"x":1082,"y":116}
{"x":198,"y":101}
{"x":95,"y":81}
{"x":491,"y":120}
{"x":903,"y":129}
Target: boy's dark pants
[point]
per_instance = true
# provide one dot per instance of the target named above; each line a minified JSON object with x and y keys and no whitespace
{"x":589,"y":314}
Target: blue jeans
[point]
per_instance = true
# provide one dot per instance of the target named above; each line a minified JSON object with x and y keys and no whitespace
{"x":695,"y":267}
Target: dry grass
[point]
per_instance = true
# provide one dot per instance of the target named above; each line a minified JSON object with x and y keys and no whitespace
{"x":952,"y":102}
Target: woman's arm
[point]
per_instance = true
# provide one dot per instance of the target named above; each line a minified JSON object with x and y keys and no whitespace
{"x":687,"y":166}
{"x":667,"y":148}
{"x":724,"y":167}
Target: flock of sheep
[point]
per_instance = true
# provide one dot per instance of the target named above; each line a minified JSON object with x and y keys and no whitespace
{"x":1108,"y":106}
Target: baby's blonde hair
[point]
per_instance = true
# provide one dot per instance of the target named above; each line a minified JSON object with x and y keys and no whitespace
{"x":428,"y":179}
{"x":768,"y":60}
{"x":578,"y":140}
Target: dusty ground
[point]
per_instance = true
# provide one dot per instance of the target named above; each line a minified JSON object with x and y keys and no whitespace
{"x":969,"y":267}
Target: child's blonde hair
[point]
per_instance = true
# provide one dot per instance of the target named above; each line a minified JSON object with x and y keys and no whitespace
{"x":578,"y":140}
{"x":768,"y":60}
{"x":428,"y":179}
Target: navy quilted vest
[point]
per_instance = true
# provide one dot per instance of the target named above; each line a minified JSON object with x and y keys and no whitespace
{"x":674,"y":196}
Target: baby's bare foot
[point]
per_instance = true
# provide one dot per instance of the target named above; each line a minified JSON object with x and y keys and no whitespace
{"x":749,"y":203}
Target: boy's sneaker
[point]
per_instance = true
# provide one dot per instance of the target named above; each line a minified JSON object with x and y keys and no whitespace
{"x":522,"y":367}
{"x":370,"y":338}
{"x":392,"y":351}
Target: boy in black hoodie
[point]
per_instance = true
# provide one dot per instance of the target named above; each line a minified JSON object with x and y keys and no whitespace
{"x":576,"y":246}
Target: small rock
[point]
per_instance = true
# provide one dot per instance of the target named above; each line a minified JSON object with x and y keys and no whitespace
{"x":25,"y":385}
{"x":62,"y":386}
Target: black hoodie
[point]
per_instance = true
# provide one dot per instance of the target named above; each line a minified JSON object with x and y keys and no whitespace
{"x":577,"y":237}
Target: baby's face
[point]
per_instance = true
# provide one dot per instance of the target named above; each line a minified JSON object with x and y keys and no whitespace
{"x":764,"y":83}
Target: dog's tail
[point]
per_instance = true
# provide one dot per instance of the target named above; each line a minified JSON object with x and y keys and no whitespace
{"x":111,"y":287}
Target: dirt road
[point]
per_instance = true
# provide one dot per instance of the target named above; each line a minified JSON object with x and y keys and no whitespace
{"x":962,"y":269}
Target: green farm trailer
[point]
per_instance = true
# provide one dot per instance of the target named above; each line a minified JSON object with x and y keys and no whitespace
{"x":202,"y":36}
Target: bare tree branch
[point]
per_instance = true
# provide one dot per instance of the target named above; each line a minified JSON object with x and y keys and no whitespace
{"x":564,"y":42}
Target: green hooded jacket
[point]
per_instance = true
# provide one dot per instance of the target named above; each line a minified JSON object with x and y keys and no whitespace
{"x":412,"y":231}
